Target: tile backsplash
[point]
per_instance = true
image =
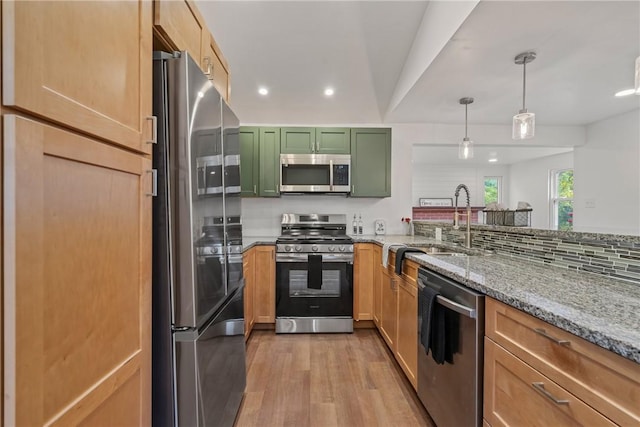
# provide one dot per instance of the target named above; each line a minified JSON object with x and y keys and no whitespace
{"x":605,"y":254}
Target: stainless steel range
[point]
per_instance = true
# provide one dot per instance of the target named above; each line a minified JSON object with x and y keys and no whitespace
{"x":314,"y":274}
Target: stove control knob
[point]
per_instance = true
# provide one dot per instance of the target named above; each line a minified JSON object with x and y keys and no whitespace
{"x":298,"y":248}
{"x":287,"y":248}
{"x":341,"y":248}
{"x":332,"y":248}
{"x":314,"y":248}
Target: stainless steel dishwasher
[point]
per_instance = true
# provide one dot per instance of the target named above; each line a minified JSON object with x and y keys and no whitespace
{"x":452,"y":392}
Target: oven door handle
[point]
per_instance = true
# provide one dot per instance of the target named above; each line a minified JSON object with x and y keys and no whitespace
{"x":452,"y":305}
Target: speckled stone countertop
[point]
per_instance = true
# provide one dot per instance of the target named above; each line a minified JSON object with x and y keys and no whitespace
{"x":601,"y":310}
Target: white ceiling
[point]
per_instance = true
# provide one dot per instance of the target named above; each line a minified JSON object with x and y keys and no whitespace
{"x":411,"y":61}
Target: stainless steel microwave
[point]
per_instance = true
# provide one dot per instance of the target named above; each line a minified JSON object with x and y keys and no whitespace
{"x":315,"y":173}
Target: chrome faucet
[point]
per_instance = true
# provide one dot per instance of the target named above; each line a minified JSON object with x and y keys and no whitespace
{"x":456,"y":219}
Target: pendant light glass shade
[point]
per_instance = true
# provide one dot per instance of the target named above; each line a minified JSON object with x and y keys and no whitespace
{"x":524,"y":122}
{"x":465,"y":148}
{"x":524,"y":125}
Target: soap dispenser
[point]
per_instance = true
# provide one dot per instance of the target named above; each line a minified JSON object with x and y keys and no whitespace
{"x":354,"y":225}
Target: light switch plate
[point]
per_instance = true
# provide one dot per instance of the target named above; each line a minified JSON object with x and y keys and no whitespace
{"x":380,"y":227}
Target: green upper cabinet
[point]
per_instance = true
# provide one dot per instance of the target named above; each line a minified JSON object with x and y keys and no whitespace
{"x":249,"y":161}
{"x":269,"y":174}
{"x":333,"y":141}
{"x":371,"y":162}
{"x":300,"y":140}
{"x":259,"y":161}
{"x":297,"y":140}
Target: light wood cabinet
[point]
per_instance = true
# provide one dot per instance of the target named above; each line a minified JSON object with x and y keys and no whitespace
{"x":395,"y":305}
{"x":180,"y":26}
{"x":248,"y":270}
{"x":76,"y":277}
{"x":377,"y":284}
{"x":265,"y":284}
{"x":86,"y":65}
{"x":363,"y":281}
{"x":518,"y":395}
{"x":389,"y":312}
{"x":407,"y":349}
{"x":606,"y":382}
{"x":214,"y":65}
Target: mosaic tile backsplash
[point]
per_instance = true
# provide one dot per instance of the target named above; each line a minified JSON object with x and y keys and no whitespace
{"x":605,"y":254}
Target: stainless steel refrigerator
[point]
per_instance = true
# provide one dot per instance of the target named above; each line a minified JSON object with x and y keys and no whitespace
{"x":198,"y":348}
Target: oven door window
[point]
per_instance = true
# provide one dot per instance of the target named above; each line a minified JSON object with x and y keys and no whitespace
{"x":298,"y":284}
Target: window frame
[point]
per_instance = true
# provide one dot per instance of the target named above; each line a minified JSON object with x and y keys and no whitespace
{"x":498,"y":185}
{"x":555,"y":199}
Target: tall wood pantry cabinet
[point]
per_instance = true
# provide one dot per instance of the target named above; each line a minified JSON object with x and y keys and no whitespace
{"x":76,"y":212}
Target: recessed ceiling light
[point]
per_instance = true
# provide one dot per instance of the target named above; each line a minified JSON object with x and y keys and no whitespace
{"x":328,"y":92}
{"x":263,"y":91}
{"x":626,"y":92}
{"x":493,"y":160}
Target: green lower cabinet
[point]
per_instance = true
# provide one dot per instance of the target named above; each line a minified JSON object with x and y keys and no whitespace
{"x":259,"y":162}
{"x":269,"y":175}
{"x":370,"y":162}
{"x":249,"y":161}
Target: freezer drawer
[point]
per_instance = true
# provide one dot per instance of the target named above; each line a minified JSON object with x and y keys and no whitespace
{"x":210,"y":368}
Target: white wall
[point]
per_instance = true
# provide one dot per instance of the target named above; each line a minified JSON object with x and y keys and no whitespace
{"x":261,"y":216}
{"x":529,"y":182}
{"x":607,"y":177}
{"x":442,"y":180}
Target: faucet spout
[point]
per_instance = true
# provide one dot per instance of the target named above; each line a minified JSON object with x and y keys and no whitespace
{"x":456,"y":221}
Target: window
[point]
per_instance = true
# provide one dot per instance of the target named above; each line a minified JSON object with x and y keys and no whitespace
{"x":562,"y":199}
{"x":492,"y":190}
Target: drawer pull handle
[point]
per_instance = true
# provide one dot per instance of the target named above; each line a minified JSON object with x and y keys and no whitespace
{"x":554,"y":339}
{"x":540,"y":387}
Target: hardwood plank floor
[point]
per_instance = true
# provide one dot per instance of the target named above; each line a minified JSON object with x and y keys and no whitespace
{"x":326,"y":380}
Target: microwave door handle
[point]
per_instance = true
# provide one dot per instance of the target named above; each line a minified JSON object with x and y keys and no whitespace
{"x":330,"y":175}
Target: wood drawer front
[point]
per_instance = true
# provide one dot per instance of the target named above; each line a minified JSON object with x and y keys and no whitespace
{"x":604,"y":380}
{"x":410,"y":272}
{"x":514,"y":395}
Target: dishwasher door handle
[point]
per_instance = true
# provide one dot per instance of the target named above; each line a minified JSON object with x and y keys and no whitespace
{"x":452,"y":305}
{"x":458,"y":308}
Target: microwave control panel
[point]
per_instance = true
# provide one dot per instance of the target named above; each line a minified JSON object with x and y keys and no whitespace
{"x":340,"y":174}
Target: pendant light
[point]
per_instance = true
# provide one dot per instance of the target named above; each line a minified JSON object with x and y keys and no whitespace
{"x":465,"y":148}
{"x":524,"y":122}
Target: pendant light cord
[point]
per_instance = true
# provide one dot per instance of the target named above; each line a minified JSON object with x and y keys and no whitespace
{"x":524,"y":83}
{"x":465,"y":120}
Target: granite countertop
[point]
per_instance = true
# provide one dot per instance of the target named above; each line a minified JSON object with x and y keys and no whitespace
{"x":601,"y":310}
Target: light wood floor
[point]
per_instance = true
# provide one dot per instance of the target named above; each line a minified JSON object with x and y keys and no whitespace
{"x":326,"y":380}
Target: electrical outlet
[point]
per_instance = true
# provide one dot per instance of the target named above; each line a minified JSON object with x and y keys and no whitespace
{"x":438,"y":233}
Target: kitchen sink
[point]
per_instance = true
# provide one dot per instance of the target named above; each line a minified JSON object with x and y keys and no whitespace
{"x":458,"y":251}
{"x":434,"y":250}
